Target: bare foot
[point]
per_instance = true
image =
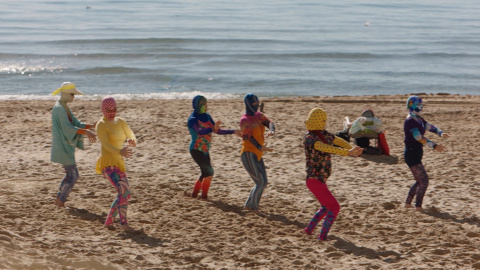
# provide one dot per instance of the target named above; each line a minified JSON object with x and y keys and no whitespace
{"x":60,"y":204}
{"x":408,"y":205}
{"x":419,"y":209}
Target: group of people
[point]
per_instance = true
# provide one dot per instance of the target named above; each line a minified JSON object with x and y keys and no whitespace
{"x":319,"y":145}
{"x":113,"y":132}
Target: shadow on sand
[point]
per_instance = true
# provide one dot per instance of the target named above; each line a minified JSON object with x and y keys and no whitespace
{"x":381,"y":159}
{"x":350,"y":248}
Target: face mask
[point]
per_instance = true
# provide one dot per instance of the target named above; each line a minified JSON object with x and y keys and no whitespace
{"x":251,"y":103}
{"x":316,"y":120}
{"x":109,"y":108}
{"x":203,"y":107}
{"x":66,"y":97}
{"x":199,"y":104}
{"x":414,"y":105}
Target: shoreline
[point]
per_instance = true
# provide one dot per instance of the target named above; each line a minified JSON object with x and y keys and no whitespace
{"x":220,"y":96}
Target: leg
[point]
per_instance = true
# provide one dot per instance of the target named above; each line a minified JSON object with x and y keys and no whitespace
{"x":119,"y":180}
{"x":205,"y":186}
{"x":328,"y":201}
{"x":411,"y":194}
{"x":68,"y":182}
{"x":422,"y":183}
{"x":256,"y":170}
{"x":203,"y":183}
{"x":316,"y":218}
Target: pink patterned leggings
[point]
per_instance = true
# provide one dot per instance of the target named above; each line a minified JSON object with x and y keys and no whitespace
{"x":119,"y":206}
{"x":329,"y":210}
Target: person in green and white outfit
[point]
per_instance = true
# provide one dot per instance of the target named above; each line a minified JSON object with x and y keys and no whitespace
{"x":67,"y":134}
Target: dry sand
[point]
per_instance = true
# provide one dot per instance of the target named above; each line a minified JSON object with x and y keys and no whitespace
{"x":373,"y":230}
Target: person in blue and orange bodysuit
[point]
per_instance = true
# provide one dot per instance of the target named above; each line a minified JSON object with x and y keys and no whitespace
{"x":319,"y":147}
{"x":415,"y":127}
{"x":201,"y":126}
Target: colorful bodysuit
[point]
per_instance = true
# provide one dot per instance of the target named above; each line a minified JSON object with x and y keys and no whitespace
{"x":319,"y":147}
{"x":415,"y":127}
{"x":201,"y":126}
{"x":252,"y":125}
{"x":112,"y":135}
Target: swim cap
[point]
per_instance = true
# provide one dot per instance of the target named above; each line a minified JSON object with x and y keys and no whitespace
{"x":251,"y":103}
{"x":316,"y":120}
{"x":198,"y":104}
{"x":414,"y":104}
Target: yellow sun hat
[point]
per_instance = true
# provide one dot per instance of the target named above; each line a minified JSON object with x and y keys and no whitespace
{"x":68,"y":87}
{"x":316,"y":120}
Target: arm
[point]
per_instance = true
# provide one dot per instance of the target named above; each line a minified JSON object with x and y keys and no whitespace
{"x":271,"y":126}
{"x":131,"y":139}
{"x":193,"y":124}
{"x":433,"y":129}
{"x":342,"y":143}
{"x":61,"y":120}
{"x":218,"y":130}
{"x":418,"y":136}
{"x":225,"y":131}
{"x":323,"y":147}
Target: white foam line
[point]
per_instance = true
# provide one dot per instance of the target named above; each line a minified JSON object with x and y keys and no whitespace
{"x":169,"y":95}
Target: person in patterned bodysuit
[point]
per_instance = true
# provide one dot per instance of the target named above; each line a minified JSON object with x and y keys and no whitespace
{"x":201,"y":126}
{"x":415,"y":127}
{"x":319,"y":147}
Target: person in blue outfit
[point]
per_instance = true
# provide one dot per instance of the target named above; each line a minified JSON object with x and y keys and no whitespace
{"x":67,"y":134}
{"x":201,"y":126}
{"x":415,"y":127}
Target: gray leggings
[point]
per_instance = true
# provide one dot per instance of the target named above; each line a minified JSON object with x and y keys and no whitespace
{"x":256,"y":170}
{"x":71,"y":177}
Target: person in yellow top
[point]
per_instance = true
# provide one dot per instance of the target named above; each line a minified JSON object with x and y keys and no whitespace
{"x":113,"y":132}
{"x":252,"y":125}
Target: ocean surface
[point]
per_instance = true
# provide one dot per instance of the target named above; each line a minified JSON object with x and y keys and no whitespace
{"x":225,"y":49}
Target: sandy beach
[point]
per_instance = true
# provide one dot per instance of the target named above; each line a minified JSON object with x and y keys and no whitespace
{"x":373,"y":229}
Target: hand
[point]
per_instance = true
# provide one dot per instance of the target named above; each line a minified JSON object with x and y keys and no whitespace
{"x":266,"y":149}
{"x":131,"y":143}
{"x":355,"y":152}
{"x":94,"y":125}
{"x":269,"y":133}
{"x":238,"y":132}
{"x":126,"y":152}
{"x":217,"y":125}
{"x":445,"y":135}
{"x":91,"y":136}
{"x":440,"y":148}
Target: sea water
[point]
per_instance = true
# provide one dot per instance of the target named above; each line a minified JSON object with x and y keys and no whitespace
{"x":224,"y":49}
